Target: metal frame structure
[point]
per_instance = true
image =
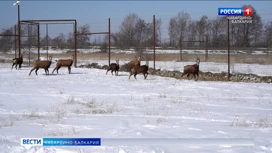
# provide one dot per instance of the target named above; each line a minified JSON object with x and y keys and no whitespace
{"x":64,"y":21}
{"x":97,"y":33}
{"x":29,"y":35}
{"x":68,"y":21}
{"x":154,"y":41}
{"x":228,"y":50}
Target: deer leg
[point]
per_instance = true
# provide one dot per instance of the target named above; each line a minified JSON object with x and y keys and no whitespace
{"x":36,"y":71}
{"x":188,"y":76}
{"x":130,"y":75}
{"x":107,"y":71}
{"x":146,"y":75}
{"x":12,"y":66}
{"x":58,"y":70}
{"x":47,"y":71}
{"x":31,"y":71}
{"x":115,"y":73}
{"x":69,"y":70}
{"x":53,"y":70}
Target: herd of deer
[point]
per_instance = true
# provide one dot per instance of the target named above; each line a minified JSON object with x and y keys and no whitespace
{"x":45,"y":64}
{"x":133,"y":67}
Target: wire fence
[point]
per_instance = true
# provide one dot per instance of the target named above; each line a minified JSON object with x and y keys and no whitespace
{"x":248,"y":60}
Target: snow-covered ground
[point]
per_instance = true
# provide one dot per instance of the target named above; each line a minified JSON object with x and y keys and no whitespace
{"x":88,"y":103}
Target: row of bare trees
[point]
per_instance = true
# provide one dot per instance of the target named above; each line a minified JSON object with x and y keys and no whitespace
{"x":61,"y":40}
{"x":254,"y":34}
{"x":67,"y":41}
{"x":137,"y":33}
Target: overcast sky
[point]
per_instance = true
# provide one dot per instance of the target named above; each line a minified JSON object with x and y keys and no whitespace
{"x":96,"y":13}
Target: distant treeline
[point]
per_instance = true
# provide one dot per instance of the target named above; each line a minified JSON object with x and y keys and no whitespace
{"x":134,"y":32}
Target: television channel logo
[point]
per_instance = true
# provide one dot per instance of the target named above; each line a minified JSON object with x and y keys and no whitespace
{"x":247,"y":11}
{"x":31,"y":141}
{"x":237,"y":15}
{"x":60,"y":142}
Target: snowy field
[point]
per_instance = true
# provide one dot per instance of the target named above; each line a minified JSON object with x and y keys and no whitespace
{"x":88,"y":103}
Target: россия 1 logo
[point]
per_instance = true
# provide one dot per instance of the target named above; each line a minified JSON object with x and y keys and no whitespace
{"x":247,"y":11}
{"x":237,"y":15}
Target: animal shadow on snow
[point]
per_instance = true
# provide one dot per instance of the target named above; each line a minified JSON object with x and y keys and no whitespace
{"x":76,"y":73}
{"x":47,"y":74}
{"x":122,"y":74}
{"x":55,"y":74}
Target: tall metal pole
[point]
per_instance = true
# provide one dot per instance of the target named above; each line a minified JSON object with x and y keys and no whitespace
{"x":38,"y":41}
{"x":228,"y":52}
{"x":109,"y":38}
{"x":180,"y":50}
{"x":15,"y":41}
{"x":154,"y":40}
{"x":75,"y":39}
{"x":206,"y":49}
{"x":19,"y":30}
{"x":29,"y":46}
{"x":267,"y":50}
{"x":47,"y":40}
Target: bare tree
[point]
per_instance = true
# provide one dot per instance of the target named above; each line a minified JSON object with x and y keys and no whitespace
{"x":104,"y":44}
{"x":59,"y":41}
{"x":202,"y":25}
{"x":6,"y":42}
{"x":268,"y":32}
{"x":218,"y":35}
{"x":83,"y":39}
{"x":158,"y":23}
{"x":128,"y":29}
{"x":192,"y":32}
{"x":172,"y":32}
{"x":144,"y":33}
{"x":30,"y":30}
{"x":46,"y":40}
{"x":70,"y":40}
{"x":117,"y":37}
{"x":135,"y":32}
{"x":246,"y":34}
{"x":140,"y":35}
{"x":178,"y":27}
{"x":257,"y":29}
